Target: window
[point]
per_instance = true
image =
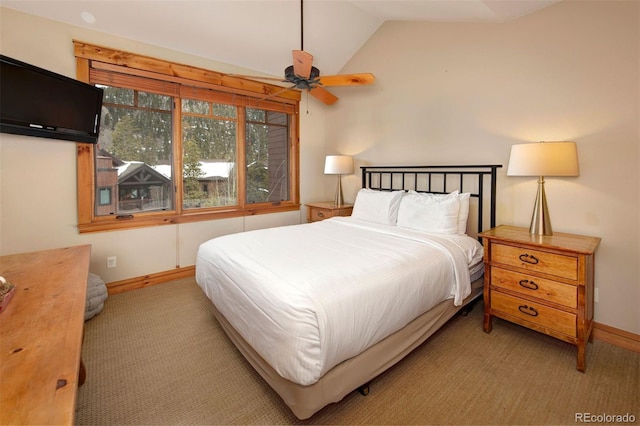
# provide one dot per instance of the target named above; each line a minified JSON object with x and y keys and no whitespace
{"x":180,"y":144}
{"x":134,"y":151}
{"x":267,"y":156}
{"x":104,"y":198}
{"x":209,"y":154}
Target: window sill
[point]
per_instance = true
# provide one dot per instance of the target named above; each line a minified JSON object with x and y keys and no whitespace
{"x":113,"y":224}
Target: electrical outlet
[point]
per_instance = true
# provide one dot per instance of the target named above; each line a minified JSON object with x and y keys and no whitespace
{"x":111,"y":262}
{"x":595,"y":294}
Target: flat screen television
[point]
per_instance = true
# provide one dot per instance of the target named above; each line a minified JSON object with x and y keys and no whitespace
{"x":37,"y":102}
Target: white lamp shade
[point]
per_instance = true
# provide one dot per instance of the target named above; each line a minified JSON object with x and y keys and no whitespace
{"x":544,"y":159}
{"x":338,"y":165}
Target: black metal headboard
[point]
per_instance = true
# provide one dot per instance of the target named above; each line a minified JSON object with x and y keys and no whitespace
{"x":473,"y":179}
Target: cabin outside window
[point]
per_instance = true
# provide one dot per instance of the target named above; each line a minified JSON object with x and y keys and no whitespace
{"x":134,"y":152}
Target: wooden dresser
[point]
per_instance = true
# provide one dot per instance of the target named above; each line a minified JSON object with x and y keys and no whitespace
{"x":41,"y":335}
{"x":325,"y":210}
{"x":544,"y":283}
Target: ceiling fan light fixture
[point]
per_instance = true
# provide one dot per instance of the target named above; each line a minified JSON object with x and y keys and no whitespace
{"x":289,"y":73}
{"x":301,"y":82}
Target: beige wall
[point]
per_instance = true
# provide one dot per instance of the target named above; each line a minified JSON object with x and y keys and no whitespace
{"x":464,"y":93}
{"x":36,"y":214}
{"x":445,"y":93}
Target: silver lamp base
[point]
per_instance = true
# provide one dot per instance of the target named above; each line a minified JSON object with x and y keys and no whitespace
{"x":540,"y":220}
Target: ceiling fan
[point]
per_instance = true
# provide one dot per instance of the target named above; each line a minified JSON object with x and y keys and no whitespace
{"x":304,"y":76}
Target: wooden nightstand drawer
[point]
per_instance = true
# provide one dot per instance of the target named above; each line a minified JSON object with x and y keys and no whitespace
{"x":321,"y":211}
{"x":538,"y":314}
{"x":535,"y":260}
{"x":552,"y":291}
{"x":321,"y":214}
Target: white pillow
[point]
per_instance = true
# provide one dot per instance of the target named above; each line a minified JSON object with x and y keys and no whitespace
{"x":377,"y":206}
{"x":463,"y":214}
{"x":430,"y":212}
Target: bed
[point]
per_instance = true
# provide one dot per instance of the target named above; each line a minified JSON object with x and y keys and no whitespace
{"x":321,"y":309}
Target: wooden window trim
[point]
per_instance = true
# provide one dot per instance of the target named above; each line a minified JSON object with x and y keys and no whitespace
{"x":100,"y":64}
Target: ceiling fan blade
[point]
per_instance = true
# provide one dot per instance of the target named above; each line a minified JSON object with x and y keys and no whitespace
{"x":323,"y":95}
{"x":302,"y":62}
{"x":257,"y":77}
{"x":276,"y":93}
{"x":347,"y":79}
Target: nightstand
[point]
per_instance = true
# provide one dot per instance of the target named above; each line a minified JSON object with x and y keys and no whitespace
{"x":325,"y":210}
{"x":544,"y":283}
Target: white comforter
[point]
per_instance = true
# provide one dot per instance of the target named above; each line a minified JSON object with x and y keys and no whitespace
{"x":307,"y":297}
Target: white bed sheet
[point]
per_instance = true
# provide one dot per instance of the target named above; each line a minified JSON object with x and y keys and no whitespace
{"x":310,"y":296}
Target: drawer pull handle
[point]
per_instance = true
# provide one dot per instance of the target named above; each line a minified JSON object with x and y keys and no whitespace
{"x":528,"y":310}
{"x":528,"y":284}
{"x":528,"y":258}
{"x":320,"y":214}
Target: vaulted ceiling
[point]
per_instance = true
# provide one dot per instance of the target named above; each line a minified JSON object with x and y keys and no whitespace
{"x":260,"y":34}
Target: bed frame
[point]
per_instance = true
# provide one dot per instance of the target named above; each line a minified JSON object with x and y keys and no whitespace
{"x":441,"y":180}
{"x":357,"y":372}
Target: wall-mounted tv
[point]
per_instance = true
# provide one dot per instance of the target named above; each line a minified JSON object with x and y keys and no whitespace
{"x":37,"y":102}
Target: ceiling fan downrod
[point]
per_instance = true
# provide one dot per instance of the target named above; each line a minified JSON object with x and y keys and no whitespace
{"x":301,"y":27}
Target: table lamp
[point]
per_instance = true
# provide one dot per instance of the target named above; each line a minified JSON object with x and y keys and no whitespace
{"x":543,"y":159}
{"x":338,"y":165}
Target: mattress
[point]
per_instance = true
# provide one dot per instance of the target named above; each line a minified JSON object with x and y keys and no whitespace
{"x":307,"y":297}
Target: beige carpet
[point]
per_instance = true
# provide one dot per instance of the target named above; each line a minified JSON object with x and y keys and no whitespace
{"x":158,"y":356}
